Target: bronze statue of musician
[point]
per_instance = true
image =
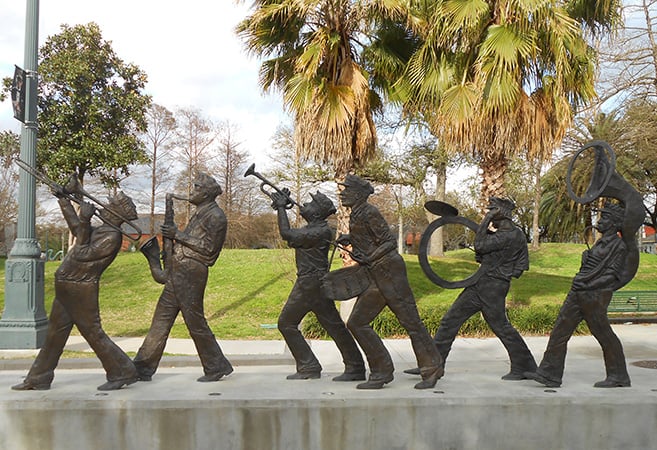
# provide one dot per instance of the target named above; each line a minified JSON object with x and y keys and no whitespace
{"x":192,"y":252}
{"x":607,"y":266}
{"x":375,"y":248}
{"x":311,"y":245}
{"x":76,"y":292}
{"x":502,"y":253}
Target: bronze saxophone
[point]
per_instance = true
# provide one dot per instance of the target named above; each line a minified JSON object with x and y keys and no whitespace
{"x":159,"y":262}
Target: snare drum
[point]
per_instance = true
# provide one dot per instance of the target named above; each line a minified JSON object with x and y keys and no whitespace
{"x":345,"y":283}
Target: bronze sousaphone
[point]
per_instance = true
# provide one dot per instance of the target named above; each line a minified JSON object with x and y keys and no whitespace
{"x":605,"y":181}
{"x":448,"y":215}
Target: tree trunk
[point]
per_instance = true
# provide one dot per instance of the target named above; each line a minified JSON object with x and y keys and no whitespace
{"x":493,"y":168}
{"x":342,"y":213}
{"x":153,"y":184}
{"x":437,"y":242}
{"x":537,"y":202}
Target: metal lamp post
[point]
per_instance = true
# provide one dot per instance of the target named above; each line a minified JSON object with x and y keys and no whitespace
{"x":24,"y":322}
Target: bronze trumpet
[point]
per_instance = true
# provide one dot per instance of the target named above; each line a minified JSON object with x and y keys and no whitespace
{"x":265,"y":182}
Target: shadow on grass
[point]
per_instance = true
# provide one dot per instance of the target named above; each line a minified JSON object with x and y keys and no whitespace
{"x":245,"y":298}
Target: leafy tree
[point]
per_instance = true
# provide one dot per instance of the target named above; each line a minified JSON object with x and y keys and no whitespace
{"x":9,"y":148}
{"x":91,"y":107}
{"x":498,"y":78}
{"x":312,"y":55}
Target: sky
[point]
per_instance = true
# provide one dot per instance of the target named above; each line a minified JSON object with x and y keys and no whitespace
{"x":189,"y":51}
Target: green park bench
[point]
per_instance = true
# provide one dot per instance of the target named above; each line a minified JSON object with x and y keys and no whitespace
{"x":633,"y":302}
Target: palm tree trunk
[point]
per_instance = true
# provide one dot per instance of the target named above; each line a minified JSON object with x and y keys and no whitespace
{"x":493,"y":169}
{"x":537,"y":201}
{"x":342,"y":213}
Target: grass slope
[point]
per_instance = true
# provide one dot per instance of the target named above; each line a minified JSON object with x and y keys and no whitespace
{"x":247,"y":289}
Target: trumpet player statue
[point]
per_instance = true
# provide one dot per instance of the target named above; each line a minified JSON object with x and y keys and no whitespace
{"x":193,"y":251}
{"x":76,"y":293}
{"x":311,"y":245}
{"x":374,"y":247}
{"x":502,"y":253}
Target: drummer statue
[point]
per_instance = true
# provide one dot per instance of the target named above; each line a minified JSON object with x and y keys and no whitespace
{"x":311,"y":245}
{"x":375,"y":248}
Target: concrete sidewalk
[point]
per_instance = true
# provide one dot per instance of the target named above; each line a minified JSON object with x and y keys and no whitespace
{"x":639,"y":343}
{"x":256,"y":407}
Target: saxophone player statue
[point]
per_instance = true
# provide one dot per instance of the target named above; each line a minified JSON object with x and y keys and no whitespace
{"x":188,"y":255}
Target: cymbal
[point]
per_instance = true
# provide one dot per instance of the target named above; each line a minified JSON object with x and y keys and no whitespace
{"x":441,"y":208}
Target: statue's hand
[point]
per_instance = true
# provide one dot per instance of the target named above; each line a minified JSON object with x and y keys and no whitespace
{"x":58,"y":190}
{"x":279,"y":200}
{"x":87,"y":210}
{"x":343,"y":240}
{"x":169,"y":231}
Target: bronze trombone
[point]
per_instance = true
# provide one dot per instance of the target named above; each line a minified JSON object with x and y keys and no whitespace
{"x":265,"y":182}
{"x":73,"y":191}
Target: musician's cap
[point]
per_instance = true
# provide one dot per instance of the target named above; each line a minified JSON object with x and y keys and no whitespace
{"x":209,"y":183}
{"x":616,"y":211}
{"x":505,"y":205}
{"x":356,"y":182}
{"x":326,"y":205}
{"x":123,"y":205}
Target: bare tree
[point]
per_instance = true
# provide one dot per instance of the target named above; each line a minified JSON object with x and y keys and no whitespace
{"x":299,"y":174}
{"x":161,"y":128}
{"x":629,"y":62}
{"x":194,"y":136}
{"x":238,"y":200}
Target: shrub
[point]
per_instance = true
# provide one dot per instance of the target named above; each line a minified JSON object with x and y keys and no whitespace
{"x":528,"y":320}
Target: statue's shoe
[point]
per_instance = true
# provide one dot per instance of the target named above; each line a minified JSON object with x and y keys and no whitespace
{"x":376,"y":382}
{"x":215,"y":376}
{"x":31,"y":386}
{"x":413,"y":371}
{"x":117,"y":384}
{"x":430,"y":381}
{"x":611,"y":383}
{"x":304,"y":376}
{"x":350,"y":376}
{"x":541,"y":379}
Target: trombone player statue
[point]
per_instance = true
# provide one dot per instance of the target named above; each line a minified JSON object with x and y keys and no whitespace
{"x":192,"y":251}
{"x":76,"y":291}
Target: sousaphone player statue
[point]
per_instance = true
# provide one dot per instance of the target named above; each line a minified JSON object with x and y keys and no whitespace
{"x":501,"y":249}
{"x":607,"y":266}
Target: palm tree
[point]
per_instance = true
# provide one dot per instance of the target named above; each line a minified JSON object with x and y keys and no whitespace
{"x":311,"y":52}
{"x":500,"y":78}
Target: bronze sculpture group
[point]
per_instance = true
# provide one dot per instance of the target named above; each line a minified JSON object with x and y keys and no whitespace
{"x":378,"y":280}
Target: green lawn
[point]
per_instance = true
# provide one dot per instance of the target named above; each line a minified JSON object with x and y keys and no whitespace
{"x":247,"y":288}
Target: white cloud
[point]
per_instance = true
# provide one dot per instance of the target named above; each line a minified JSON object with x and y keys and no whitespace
{"x":188,"y":49}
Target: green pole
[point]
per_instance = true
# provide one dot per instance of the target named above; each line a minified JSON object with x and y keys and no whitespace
{"x":24,"y":322}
